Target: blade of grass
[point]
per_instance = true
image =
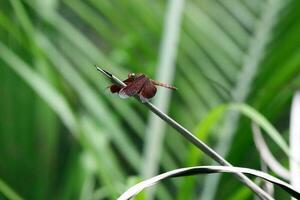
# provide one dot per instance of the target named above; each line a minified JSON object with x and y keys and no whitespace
{"x":264,"y":123}
{"x":8,"y":192}
{"x":55,"y":100}
{"x":202,"y":130}
{"x":23,"y":17}
{"x":230,"y":26}
{"x":212,"y":33}
{"x":266,"y":155}
{"x":131,"y":192}
{"x":42,"y":112}
{"x":243,"y":85}
{"x":97,"y":146}
{"x":87,"y":188}
{"x":166,"y":70}
{"x":239,"y":11}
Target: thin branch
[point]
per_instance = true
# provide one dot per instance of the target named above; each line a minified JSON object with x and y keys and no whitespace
{"x":190,"y":137}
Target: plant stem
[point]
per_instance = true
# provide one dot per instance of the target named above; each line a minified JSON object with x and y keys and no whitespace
{"x":190,"y":137}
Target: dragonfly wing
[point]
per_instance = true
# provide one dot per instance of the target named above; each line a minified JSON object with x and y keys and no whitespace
{"x":129,"y":80}
{"x":148,"y":91}
{"x":133,"y":87}
{"x":116,"y":88}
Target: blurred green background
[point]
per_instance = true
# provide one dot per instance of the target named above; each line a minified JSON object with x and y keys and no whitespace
{"x":62,"y":136}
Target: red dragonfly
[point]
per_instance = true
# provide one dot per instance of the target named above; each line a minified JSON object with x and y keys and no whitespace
{"x":138,"y":84}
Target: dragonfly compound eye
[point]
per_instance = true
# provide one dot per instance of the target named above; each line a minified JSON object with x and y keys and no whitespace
{"x":131,"y":75}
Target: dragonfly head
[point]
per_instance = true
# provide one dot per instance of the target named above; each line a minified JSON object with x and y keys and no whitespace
{"x":132,"y":75}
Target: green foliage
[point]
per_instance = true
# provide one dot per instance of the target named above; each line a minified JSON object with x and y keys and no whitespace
{"x":63,"y":137}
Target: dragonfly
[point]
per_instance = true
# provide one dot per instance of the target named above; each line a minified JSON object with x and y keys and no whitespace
{"x":138,"y":84}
